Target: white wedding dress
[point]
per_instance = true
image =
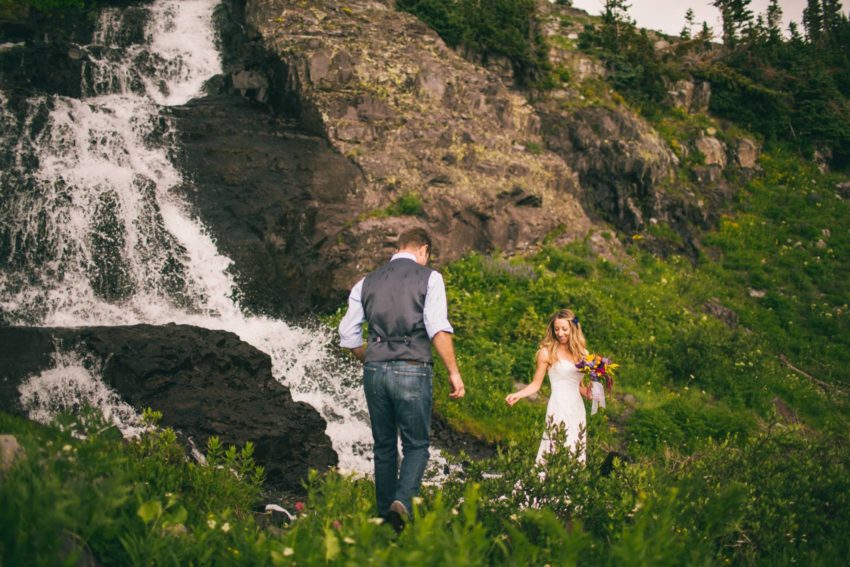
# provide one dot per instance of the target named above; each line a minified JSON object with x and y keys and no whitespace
{"x":565,"y":407}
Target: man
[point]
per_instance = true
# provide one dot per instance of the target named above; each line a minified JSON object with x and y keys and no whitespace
{"x":404,"y":304}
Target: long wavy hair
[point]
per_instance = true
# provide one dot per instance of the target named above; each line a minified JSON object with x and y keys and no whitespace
{"x":576,"y":345}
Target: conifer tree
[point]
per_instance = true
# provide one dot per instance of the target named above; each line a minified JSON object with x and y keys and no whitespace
{"x":813,"y":21}
{"x":774,"y":21}
{"x":689,"y":24}
{"x":737,"y":16}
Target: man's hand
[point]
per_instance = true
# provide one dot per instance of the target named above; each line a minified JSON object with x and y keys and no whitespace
{"x":359,"y":353}
{"x":456,"y":389}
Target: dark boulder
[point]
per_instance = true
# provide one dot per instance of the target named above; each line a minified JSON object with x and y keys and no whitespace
{"x":204,"y":382}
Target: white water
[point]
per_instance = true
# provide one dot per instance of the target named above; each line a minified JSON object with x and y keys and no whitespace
{"x":100,"y":235}
{"x":69,"y":386}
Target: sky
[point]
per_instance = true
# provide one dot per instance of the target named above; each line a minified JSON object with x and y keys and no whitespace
{"x":669,"y":15}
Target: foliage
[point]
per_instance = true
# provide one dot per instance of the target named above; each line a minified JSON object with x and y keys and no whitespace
{"x":80,"y":489}
{"x":407,"y":204}
{"x":489,"y":28}
{"x":49,"y":5}
{"x":629,"y":54}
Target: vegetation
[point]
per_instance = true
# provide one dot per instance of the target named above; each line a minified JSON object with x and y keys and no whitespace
{"x":48,"y":5}
{"x":792,"y":90}
{"x":707,"y":469}
{"x":489,"y":28}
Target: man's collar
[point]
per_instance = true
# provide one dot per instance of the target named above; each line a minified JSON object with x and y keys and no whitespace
{"x":406,"y":255}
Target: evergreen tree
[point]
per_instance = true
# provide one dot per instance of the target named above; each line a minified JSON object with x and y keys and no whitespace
{"x":796,"y":38}
{"x":689,"y":24}
{"x":737,"y":16}
{"x":706,"y":33}
{"x":813,"y":21}
{"x":617,"y":24}
{"x":774,"y":21}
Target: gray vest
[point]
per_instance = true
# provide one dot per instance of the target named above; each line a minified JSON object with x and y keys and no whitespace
{"x":393,"y":298}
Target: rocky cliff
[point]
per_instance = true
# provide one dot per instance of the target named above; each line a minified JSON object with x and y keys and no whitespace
{"x":416,"y":119}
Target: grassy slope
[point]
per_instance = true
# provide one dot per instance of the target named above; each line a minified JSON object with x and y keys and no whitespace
{"x":649,"y":316}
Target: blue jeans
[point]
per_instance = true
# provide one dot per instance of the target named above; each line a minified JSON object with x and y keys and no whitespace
{"x":399,"y":397}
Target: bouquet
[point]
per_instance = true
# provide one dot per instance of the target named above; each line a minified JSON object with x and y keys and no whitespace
{"x":599,"y":369}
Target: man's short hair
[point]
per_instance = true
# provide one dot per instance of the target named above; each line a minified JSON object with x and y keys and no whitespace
{"x":414,"y":237}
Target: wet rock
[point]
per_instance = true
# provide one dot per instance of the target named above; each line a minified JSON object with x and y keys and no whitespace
{"x":204,"y":382}
{"x":261,"y":184}
{"x":453,"y":441}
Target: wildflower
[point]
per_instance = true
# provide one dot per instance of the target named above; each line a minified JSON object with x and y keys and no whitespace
{"x":287,"y":551}
{"x":212,"y":523}
{"x":299,"y":507}
{"x":67,"y":448}
{"x":376,"y":521}
{"x":349,"y":540}
{"x":225,"y":527}
{"x":337,"y":525}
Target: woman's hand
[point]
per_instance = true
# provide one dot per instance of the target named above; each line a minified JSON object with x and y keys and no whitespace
{"x":511,"y":399}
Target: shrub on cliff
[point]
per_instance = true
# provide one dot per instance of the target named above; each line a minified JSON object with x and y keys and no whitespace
{"x":488,"y":28}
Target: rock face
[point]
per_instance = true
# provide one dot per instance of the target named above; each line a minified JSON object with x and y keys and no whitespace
{"x":262,"y":184}
{"x":415,"y":118}
{"x":204,"y":382}
{"x":621,"y":162}
{"x":693,"y":97}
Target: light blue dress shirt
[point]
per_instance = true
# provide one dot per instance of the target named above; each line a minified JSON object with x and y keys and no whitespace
{"x":435,"y":310}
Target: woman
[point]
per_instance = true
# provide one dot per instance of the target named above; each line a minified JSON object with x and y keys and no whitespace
{"x":559,"y":352}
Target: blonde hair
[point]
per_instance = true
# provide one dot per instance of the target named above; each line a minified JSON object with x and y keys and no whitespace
{"x":576,"y":344}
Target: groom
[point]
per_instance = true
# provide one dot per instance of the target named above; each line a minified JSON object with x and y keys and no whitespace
{"x":404,"y":304}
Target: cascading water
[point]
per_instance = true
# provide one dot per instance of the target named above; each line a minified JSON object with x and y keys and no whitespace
{"x":94,"y":231}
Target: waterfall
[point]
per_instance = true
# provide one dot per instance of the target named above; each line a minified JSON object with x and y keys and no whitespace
{"x":94,"y":229}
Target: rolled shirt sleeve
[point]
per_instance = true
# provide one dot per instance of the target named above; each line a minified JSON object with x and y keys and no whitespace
{"x":351,"y":326}
{"x":435,"y":311}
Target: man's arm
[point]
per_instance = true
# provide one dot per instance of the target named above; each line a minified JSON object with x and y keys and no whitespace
{"x":445,"y":348}
{"x":351,"y":326}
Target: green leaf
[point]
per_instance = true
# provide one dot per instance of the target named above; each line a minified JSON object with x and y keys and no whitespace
{"x":331,"y":545}
{"x":150,"y":511}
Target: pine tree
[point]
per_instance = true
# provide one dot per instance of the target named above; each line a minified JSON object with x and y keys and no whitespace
{"x":813,"y":21}
{"x":737,"y":16}
{"x":730,"y":38}
{"x":689,"y":25}
{"x":796,"y":38}
{"x":774,"y":21}
{"x":617,"y":26}
{"x":706,"y":33}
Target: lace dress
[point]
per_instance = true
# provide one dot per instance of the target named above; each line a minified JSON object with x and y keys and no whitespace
{"x":565,"y":407}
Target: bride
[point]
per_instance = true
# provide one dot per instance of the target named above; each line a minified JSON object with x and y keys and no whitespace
{"x":559,"y":352}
